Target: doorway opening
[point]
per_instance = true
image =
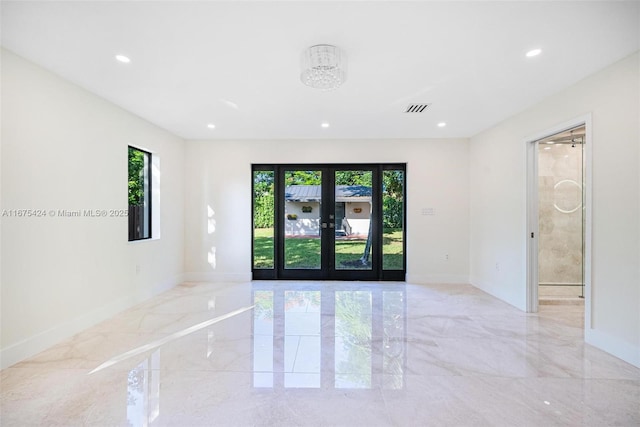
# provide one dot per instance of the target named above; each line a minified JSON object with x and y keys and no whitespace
{"x":329,"y":222}
{"x":561,"y":218}
{"x":558,"y":260}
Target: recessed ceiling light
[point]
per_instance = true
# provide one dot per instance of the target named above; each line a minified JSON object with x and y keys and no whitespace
{"x":551,"y":142}
{"x":122,"y":58}
{"x":534,"y":52}
{"x":230,"y":103}
{"x":211,"y":126}
{"x":441,"y":124}
{"x":547,"y":148}
{"x":325,"y":125}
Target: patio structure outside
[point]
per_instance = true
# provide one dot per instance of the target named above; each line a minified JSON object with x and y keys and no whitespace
{"x":302,"y":210}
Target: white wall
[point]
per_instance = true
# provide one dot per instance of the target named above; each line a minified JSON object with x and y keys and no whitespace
{"x":498,"y":202}
{"x":65,"y":148}
{"x":218,"y":200}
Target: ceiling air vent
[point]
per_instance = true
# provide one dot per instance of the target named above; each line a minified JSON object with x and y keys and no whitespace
{"x":417,"y":108}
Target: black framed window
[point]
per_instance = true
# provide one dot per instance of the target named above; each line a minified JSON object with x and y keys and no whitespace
{"x":139,"y":194}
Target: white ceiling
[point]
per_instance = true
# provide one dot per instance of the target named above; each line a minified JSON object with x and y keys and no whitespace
{"x":237,"y":64}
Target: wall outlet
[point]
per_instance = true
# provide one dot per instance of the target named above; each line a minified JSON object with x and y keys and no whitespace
{"x":137,"y":268}
{"x":497,"y":266}
{"x":446,"y":257}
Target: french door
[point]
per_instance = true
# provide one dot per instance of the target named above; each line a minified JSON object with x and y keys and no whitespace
{"x":329,"y":222}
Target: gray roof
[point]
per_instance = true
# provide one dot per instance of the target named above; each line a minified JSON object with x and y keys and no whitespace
{"x":312,"y":193}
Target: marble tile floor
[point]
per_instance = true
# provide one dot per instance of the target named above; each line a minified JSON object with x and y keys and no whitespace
{"x":325,"y":353}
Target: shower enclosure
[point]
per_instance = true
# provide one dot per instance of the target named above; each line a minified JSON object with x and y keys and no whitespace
{"x":561,"y":216}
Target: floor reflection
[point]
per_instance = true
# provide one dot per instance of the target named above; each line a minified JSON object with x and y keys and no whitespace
{"x":353,"y":319}
{"x":311,"y":338}
{"x":143,"y":391}
{"x":367,"y":353}
{"x":318,"y":338}
{"x":302,"y":346}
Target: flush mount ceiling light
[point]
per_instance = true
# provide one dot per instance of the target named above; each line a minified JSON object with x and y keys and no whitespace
{"x":211,"y":126}
{"x":441,"y":124}
{"x":123,"y":59}
{"x":323,"y":67}
{"x":325,"y":125}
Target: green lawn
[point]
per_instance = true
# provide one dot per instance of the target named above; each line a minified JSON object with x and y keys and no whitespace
{"x":263,"y":248}
{"x":303,"y":253}
{"x":392,"y":249}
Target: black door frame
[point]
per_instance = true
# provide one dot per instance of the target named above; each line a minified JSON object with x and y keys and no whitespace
{"x":328,"y":270}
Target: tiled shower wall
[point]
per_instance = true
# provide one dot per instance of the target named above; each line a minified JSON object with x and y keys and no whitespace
{"x":560,"y":214}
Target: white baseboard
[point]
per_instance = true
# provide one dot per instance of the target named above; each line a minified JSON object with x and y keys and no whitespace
{"x":452,"y":279}
{"x":217,"y":277}
{"x":160,"y":287}
{"x":497,"y":292}
{"x":614,"y":346}
{"x":33,"y":345}
{"x":39,"y":342}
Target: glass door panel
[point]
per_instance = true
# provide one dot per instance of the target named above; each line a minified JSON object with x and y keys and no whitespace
{"x":302,"y":219}
{"x":393,"y":219}
{"x":336,"y":222}
{"x":353,"y":219}
{"x":263,"y":219}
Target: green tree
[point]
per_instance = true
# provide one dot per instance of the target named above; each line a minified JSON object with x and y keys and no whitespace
{"x":393,"y":183}
{"x":263,"y":182}
{"x":393,"y":198}
{"x":263,"y":199}
{"x":136,"y":177}
{"x":362,"y":178}
{"x":263,"y":211}
{"x":298,"y":177}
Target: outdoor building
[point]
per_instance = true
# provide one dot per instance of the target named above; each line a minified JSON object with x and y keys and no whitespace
{"x":353,"y":210}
